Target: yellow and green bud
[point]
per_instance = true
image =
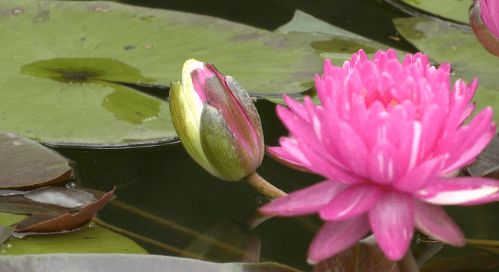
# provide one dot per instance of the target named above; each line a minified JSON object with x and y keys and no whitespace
{"x":216,"y":121}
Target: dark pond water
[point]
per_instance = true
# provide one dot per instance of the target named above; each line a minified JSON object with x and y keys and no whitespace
{"x":163,"y":181}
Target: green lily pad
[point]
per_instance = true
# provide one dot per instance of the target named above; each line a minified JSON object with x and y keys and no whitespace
{"x":64,"y":65}
{"x":327,"y":40}
{"x":456,"y":10}
{"x":455,"y":44}
{"x":94,"y":239}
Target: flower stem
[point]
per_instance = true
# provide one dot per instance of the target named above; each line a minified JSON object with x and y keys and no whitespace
{"x":482,"y":243}
{"x":263,"y":186}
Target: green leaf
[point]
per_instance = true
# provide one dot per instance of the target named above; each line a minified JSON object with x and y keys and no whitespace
{"x":327,"y":40}
{"x":94,"y":239}
{"x":456,"y":10}
{"x":64,"y":68}
{"x":128,"y":263}
{"x":27,"y":163}
{"x":446,"y":42}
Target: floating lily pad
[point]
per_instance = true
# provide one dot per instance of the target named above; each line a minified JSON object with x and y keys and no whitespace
{"x":327,"y":40}
{"x":456,"y":10}
{"x":62,"y":79}
{"x":94,"y":239}
{"x":26,"y":163}
{"x":127,"y":263}
{"x":456,"y":44}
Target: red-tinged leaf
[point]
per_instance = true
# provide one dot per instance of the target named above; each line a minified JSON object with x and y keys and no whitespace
{"x":43,"y":224}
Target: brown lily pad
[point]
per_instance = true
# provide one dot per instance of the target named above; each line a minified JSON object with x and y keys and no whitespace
{"x":27,"y":163}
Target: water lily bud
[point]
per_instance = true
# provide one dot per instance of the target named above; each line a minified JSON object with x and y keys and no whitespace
{"x":216,"y":121}
{"x":484,"y":19}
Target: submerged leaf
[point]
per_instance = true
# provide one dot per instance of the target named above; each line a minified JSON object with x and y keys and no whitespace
{"x":365,"y":256}
{"x":246,"y":246}
{"x":26,"y":163}
{"x":463,"y":263}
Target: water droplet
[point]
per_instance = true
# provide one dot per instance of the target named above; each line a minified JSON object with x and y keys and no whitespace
{"x":71,"y":185}
{"x":8,"y":245}
{"x":91,"y":225}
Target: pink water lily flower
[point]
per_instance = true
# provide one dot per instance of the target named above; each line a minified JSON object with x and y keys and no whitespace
{"x":388,"y":137}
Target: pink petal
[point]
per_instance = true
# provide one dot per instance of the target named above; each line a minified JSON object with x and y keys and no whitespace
{"x":392,"y":222}
{"x":304,"y":201}
{"x":382,"y":163}
{"x":288,"y":154}
{"x":352,"y":149}
{"x":199,"y":78}
{"x":469,"y":141}
{"x":323,"y":164}
{"x":419,"y":176}
{"x":296,"y":107}
{"x":460,"y":191}
{"x":351,"y":202}
{"x":433,"y":221}
{"x":335,"y":237}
